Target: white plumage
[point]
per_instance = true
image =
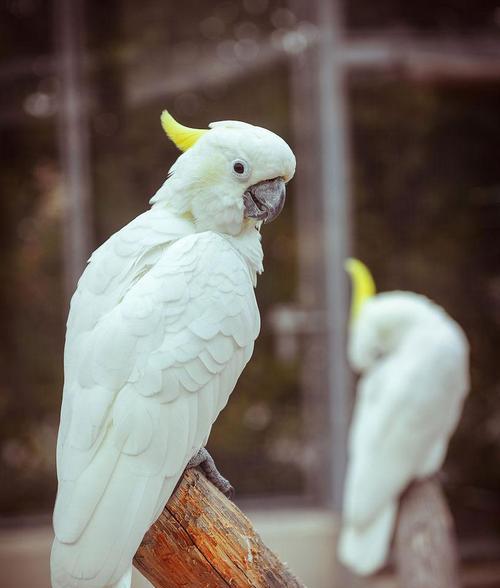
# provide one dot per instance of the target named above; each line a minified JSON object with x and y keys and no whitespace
{"x":414,"y":363}
{"x":163,"y":321}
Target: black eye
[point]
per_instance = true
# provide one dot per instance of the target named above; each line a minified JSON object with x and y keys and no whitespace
{"x":239,"y":167}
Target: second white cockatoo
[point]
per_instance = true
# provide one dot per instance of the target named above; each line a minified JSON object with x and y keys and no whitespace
{"x":414,"y":365}
{"x":162,"y":324}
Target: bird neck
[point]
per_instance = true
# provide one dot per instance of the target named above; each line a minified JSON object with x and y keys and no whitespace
{"x":249,"y":246}
{"x":385,"y":323}
{"x":247,"y":242}
{"x":398,"y":313}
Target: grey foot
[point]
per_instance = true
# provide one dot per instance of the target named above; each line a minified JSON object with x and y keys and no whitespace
{"x":205,"y":462}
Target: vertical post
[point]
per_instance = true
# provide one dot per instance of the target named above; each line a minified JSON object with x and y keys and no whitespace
{"x":308,"y":210}
{"x":335,"y":191}
{"x":73,"y":138}
{"x":424,"y":540}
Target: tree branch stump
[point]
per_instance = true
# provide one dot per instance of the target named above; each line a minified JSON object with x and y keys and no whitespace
{"x":203,"y":540}
{"x":424,"y":543}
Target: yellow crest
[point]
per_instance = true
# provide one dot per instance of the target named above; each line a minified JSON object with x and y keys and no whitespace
{"x":363,"y":285}
{"x":183,"y":137}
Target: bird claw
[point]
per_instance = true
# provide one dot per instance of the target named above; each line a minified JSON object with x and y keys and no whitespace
{"x":205,"y":462}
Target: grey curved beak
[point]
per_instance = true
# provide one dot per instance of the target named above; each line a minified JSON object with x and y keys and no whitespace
{"x":265,"y":200}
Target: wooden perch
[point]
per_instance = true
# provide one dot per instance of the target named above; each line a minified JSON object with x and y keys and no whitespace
{"x":203,"y":540}
{"x":424,"y":542}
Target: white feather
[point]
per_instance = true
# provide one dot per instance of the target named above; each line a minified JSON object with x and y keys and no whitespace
{"x":140,"y":398}
{"x":414,"y":364}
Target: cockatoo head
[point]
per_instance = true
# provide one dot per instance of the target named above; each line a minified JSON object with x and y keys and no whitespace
{"x":229,"y":177}
{"x":379,"y":323}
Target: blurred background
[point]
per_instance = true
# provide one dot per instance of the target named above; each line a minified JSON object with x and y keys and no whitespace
{"x":393,"y":110}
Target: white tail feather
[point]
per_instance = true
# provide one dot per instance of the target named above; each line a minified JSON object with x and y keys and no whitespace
{"x":365,"y":549}
{"x":125,"y":581}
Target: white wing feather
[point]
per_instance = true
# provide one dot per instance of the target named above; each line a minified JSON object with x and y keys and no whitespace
{"x":406,"y":409}
{"x":151,"y":376}
{"x":113,"y":268}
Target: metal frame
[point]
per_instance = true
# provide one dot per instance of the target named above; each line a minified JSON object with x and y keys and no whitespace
{"x":74,"y":142}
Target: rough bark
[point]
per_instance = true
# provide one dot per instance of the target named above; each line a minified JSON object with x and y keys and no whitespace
{"x":203,"y":540}
{"x":424,"y":542}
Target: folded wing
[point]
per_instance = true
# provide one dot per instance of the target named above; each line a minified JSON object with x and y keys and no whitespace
{"x":407,"y":407}
{"x":150,"y":379}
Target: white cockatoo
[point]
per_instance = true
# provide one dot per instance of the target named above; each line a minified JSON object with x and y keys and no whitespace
{"x":162,"y":324}
{"x":414,"y":365}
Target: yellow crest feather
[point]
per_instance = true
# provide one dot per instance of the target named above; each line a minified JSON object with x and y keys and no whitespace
{"x":183,"y":137}
{"x":363,"y":285}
